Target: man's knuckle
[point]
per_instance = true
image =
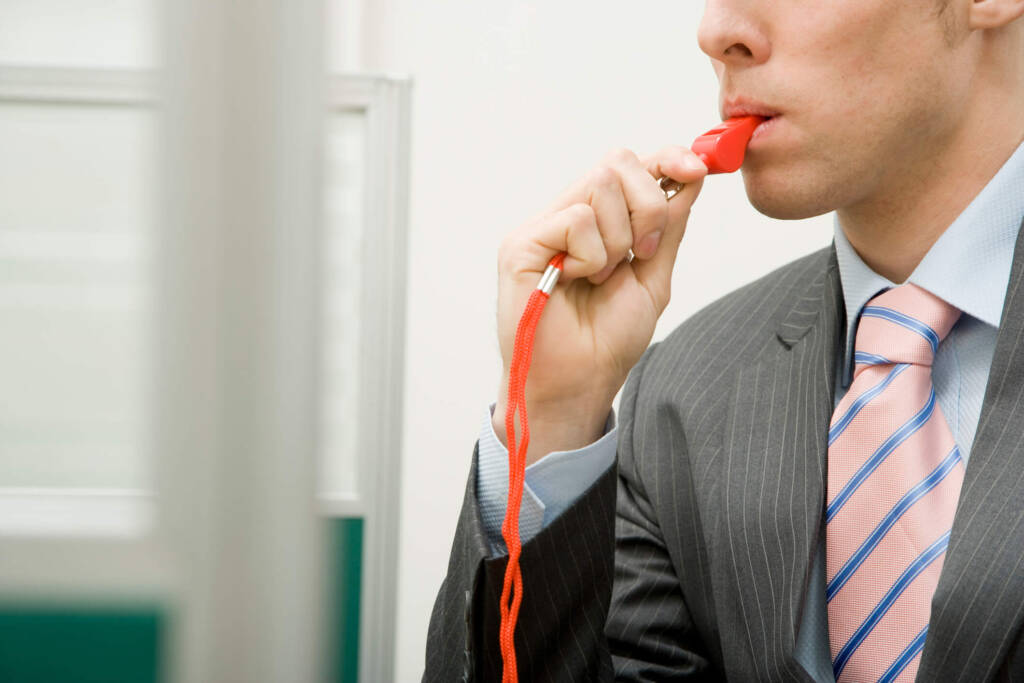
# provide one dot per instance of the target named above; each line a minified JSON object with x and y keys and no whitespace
{"x":602,"y":177}
{"x":582,"y":214}
{"x":622,"y":155}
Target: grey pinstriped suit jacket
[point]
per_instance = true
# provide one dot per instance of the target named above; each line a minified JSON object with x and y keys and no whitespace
{"x":692,"y":557}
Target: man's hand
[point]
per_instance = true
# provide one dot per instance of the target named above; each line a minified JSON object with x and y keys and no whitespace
{"x":602,"y":314}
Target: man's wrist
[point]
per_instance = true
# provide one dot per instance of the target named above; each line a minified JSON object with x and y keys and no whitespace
{"x":555,"y":430}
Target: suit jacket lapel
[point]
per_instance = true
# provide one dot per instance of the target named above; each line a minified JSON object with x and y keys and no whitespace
{"x":979,"y":603}
{"x":776,"y":445}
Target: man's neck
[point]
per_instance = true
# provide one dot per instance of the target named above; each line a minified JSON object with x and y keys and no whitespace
{"x":893,"y":230}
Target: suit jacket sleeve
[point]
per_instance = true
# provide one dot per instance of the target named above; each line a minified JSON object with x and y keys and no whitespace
{"x":601,"y":600}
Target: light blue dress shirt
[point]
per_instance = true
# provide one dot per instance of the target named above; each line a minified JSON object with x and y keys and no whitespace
{"x":968,"y":266}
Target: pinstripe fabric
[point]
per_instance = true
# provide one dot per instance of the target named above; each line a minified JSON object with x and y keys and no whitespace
{"x":717,"y":504}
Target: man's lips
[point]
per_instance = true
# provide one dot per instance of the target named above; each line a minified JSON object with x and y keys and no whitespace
{"x":766,"y":127}
{"x":739,"y":107}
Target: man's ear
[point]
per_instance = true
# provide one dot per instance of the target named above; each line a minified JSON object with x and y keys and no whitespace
{"x":994,"y":13}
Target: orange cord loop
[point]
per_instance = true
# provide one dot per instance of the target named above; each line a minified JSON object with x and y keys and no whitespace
{"x":522,"y":353}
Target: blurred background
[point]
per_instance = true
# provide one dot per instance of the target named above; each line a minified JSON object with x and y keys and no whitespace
{"x":247,"y":293}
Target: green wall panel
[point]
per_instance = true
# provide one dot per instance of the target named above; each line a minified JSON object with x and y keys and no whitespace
{"x":347,"y":557}
{"x":51,"y":644}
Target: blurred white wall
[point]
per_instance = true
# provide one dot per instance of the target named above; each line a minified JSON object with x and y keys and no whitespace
{"x":83,"y":33}
{"x":513,"y":100}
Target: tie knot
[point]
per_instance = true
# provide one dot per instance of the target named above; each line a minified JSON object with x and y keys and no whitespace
{"x":902,"y":325}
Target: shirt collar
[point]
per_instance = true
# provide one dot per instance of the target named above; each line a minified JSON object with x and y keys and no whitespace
{"x":968,"y":266}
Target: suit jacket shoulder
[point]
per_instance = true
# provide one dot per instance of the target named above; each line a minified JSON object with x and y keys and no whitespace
{"x":734,"y":328}
{"x":694,"y":368}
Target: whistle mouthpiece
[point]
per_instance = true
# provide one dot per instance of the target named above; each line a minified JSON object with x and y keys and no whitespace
{"x":722,"y":148}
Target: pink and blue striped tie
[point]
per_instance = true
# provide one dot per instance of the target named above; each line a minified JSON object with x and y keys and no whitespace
{"x":894,"y":476}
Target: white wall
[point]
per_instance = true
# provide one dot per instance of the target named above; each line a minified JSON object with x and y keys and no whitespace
{"x":513,"y":99}
{"x":84,"y":33}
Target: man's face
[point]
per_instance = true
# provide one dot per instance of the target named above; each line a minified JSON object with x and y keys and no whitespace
{"x":869,"y":91}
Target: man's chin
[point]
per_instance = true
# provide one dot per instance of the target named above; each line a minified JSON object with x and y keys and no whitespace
{"x":785,"y":197}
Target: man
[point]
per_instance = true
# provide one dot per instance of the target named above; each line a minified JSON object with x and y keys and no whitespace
{"x":820,"y":475}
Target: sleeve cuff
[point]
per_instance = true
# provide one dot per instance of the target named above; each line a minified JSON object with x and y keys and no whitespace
{"x":552,"y":484}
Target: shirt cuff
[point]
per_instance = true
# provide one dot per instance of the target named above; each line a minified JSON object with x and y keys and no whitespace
{"x":552,"y":483}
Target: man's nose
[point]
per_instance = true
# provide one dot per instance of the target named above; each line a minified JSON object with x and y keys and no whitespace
{"x":731,"y":32}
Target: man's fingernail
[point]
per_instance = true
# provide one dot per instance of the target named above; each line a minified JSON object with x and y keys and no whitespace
{"x":649,"y":245}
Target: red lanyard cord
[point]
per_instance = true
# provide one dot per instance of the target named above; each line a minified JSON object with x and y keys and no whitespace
{"x":522,"y":352}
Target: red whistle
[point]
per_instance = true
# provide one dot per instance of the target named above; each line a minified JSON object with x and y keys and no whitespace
{"x":722,"y":148}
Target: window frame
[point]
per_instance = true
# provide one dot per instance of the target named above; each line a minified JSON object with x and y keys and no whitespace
{"x":386,"y":104}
